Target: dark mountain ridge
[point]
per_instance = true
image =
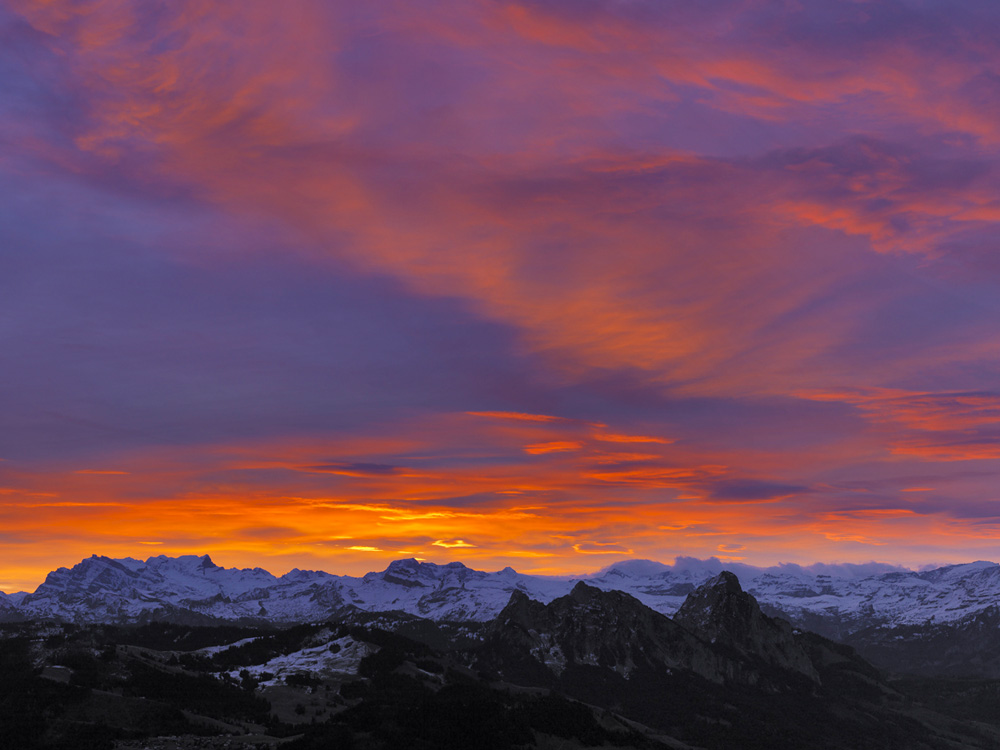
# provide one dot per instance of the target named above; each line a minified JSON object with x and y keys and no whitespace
{"x":721,"y":674}
{"x":590,"y":668}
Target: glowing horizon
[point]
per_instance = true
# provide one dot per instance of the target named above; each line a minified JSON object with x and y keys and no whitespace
{"x":680,"y":561}
{"x":498,"y":281}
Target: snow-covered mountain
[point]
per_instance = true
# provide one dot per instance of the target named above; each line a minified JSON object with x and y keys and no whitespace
{"x":100,"y":589}
{"x":835,"y":600}
{"x":7,"y":606}
{"x":832,"y":599}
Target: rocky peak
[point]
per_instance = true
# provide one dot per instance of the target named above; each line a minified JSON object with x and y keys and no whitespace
{"x":593,"y":628}
{"x":520,"y":612}
{"x":721,"y":611}
{"x":726,"y":583}
{"x":718,"y":604}
{"x":583,"y":593}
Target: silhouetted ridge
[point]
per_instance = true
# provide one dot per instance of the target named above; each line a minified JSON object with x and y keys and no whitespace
{"x":589,"y":628}
{"x":722,"y":612}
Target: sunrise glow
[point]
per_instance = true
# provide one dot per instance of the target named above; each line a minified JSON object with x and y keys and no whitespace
{"x":532,"y":283}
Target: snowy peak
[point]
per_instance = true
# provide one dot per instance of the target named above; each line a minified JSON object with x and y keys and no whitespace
{"x":634,"y":569}
{"x":100,"y":589}
{"x":412,"y":572}
{"x":409,"y":567}
{"x":412,"y":566}
{"x":188,"y":563}
{"x":975,"y":570}
{"x":93,"y":574}
{"x":304,"y":576}
{"x":8,"y":607}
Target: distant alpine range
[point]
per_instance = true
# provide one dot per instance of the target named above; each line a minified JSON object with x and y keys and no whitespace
{"x":115,"y":656}
{"x":890,"y":615}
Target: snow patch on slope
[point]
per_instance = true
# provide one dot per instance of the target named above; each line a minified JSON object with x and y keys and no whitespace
{"x":335,"y":659}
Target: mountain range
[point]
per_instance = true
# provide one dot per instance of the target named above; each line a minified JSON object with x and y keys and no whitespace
{"x":589,"y":668}
{"x":891,"y":615}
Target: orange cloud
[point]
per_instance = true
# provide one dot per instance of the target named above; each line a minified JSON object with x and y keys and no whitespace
{"x":609,"y":256}
{"x":688,"y":298}
{"x":556,"y":446}
{"x":957,"y":426}
{"x":613,"y":438}
{"x":601,"y":548}
{"x":517,"y":416}
{"x":495,"y":507}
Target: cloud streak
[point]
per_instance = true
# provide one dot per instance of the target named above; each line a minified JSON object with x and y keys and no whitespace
{"x":543,"y":277}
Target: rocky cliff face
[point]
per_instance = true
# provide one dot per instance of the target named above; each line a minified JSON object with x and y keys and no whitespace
{"x":723,"y":637}
{"x":589,"y":627}
{"x":722,"y":612}
{"x":720,"y":674}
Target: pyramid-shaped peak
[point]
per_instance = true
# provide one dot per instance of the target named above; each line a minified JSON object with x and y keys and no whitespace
{"x":720,"y":600}
{"x":519,"y":609}
{"x":725,"y":582}
{"x":720,"y":611}
{"x":584,"y":592}
{"x":517,"y":596}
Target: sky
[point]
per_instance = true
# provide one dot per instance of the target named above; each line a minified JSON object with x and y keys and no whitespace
{"x":539,"y":283}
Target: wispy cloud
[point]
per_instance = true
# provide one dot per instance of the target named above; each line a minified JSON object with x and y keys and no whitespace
{"x":534,"y":274}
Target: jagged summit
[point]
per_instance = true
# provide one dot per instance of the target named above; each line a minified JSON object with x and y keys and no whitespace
{"x":589,"y":627}
{"x":721,"y":610}
{"x":726,"y":582}
{"x":516,"y":597}
{"x":718,"y":602}
{"x":730,"y":640}
{"x":581,"y":592}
